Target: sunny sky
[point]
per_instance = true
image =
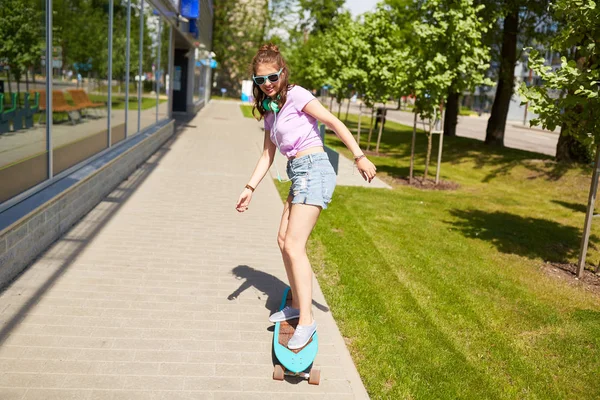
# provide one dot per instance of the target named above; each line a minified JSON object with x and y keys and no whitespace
{"x":357,"y":7}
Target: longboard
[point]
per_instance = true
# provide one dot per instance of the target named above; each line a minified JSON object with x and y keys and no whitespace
{"x":294,"y":362}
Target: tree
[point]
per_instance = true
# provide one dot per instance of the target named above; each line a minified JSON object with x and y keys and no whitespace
{"x":404,"y":14}
{"x":521,"y":21}
{"x":82,"y":41}
{"x":318,"y":14}
{"x":466,"y":52}
{"x":382,"y":61}
{"x":334,"y":56}
{"x":449,"y":57}
{"x":239,"y":29}
{"x":20,"y":37}
{"x":311,"y":75}
{"x":570,"y":95}
{"x":340,"y":51}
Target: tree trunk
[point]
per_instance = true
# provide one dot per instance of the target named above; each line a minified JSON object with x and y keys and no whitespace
{"x":569,"y":149}
{"x":451,"y":116}
{"x":347,"y":110}
{"x":331,"y":104}
{"x":497,"y":123}
{"x":370,"y":129}
{"x":358,"y":129}
{"x":19,"y":91}
{"x":339,"y":108}
{"x":9,"y":84}
{"x":379,"y":137}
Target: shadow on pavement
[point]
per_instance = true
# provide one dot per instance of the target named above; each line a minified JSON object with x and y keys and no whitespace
{"x":269,"y":285}
{"x":117,"y":198}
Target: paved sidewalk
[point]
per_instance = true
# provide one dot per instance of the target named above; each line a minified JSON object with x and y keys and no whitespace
{"x":163,"y":290}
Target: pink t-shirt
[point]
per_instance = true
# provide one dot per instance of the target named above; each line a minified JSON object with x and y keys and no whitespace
{"x":295,"y":130}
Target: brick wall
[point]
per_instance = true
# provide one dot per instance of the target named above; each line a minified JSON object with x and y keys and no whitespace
{"x":24,"y":240}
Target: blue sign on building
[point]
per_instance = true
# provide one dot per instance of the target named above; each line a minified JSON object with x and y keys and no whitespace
{"x":212,"y":63}
{"x":190,"y":8}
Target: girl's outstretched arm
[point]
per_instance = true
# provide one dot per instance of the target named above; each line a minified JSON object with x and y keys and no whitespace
{"x":262,"y":166}
{"x":315,"y":109}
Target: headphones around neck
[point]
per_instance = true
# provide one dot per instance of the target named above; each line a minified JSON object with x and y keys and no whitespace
{"x":270,"y":105}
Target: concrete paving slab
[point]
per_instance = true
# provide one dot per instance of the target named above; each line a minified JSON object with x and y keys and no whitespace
{"x":163,"y":290}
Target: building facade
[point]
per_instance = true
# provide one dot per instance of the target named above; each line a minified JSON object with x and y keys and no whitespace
{"x":88,"y":90}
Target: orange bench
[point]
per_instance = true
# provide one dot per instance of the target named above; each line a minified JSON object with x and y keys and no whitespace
{"x":59,"y":104}
{"x":81,"y":99}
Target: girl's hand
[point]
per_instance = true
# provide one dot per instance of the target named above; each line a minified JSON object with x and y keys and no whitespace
{"x":244,"y":200}
{"x":367,"y":169}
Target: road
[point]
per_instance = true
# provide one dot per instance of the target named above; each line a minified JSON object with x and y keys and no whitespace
{"x":516,"y":136}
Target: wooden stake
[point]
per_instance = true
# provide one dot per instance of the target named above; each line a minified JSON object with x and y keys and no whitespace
{"x":412,"y":150}
{"x":358,"y":131}
{"x":441,"y":131}
{"x":589,"y":215}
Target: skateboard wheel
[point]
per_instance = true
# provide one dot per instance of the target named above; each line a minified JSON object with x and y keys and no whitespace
{"x":314,"y":377}
{"x":278,"y":372}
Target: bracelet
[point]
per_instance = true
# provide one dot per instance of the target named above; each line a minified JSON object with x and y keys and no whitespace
{"x":249,"y":187}
{"x":359,"y":157}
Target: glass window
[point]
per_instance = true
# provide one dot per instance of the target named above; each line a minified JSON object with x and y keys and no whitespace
{"x":134,"y":74}
{"x":23,"y":133}
{"x":163,"y":106}
{"x":149,"y":30}
{"x":119,"y":77}
{"x":156,"y":50}
{"x":79,"y":109}
{"x":199,"y":73}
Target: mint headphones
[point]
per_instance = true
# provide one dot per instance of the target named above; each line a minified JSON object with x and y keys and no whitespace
{"x":270,"y":105}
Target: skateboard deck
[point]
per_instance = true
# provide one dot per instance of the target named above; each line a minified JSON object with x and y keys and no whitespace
{"x":294,"y":362}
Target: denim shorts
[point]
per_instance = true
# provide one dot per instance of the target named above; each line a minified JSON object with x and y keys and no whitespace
{"x":313,"y":179}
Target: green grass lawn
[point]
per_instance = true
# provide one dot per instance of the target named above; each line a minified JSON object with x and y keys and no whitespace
{"x":118,"y":102}
{"x":466,"y":112}
{"x":247,"y":110}
{"x":442,"y":294}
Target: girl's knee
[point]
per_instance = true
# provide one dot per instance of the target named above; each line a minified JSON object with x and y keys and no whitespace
{"x":291,"y":249}
{"x":281,"y":242}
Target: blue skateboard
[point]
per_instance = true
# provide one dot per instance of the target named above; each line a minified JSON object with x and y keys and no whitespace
{"x":294,"y":362}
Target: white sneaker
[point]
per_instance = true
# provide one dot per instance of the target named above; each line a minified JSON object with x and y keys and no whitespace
{"x":302,"y":336}
{"x":285,"y":314}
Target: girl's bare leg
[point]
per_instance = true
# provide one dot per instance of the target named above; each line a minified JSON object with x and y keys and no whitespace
{"x":281,"y":242}
{"x":301,"y":221}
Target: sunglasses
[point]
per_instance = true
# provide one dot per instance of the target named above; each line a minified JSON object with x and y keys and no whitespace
{"x":260,"y":80}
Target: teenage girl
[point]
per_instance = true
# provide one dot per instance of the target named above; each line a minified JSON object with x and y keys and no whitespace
{"x":291,"y":114}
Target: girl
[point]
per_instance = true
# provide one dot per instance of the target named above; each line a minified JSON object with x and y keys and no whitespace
{"x":291,"y":113}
